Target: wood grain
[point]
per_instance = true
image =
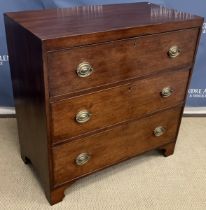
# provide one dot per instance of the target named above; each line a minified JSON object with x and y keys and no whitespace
{"x":63,"y":28}
{"x":118,"y":61}
{"x":115,"y":105}
{"x":26,"y":64}
{"x":113,"y":146}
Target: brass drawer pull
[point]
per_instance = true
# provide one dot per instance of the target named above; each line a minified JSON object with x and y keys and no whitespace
{"x":166,"y":92}
{"x":82,"y":159}
{"x":84,"y":69}
{"x":174,"y":51}
{"x":159,"y":131}
{"x":83,"y":116}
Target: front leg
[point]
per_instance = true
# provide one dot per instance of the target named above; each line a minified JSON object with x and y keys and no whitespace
{"x":167,"y":149}
{"x":57,"y":195}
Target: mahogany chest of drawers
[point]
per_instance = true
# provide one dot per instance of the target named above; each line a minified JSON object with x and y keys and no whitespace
{"x":96,"y":85}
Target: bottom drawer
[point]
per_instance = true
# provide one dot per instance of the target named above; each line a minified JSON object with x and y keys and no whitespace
{"x":83,"y":156}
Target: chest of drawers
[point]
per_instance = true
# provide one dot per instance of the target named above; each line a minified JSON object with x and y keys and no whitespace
{"x":96,"y":85}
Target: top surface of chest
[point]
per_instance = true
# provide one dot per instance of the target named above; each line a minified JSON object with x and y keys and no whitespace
{"x":60,"y":28}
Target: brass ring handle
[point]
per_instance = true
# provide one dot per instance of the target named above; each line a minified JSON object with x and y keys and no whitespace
{"x":174,"y":51}
{"x":166,"y":92}
{"x":83,"y":116}
{"x":84,"y":69}
{"x":159,"y":131}
{"x":82,"y":159}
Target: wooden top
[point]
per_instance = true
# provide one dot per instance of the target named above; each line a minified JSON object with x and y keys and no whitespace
{"x":128,"y":19}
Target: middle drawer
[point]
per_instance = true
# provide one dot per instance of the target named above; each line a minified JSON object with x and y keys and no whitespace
{"x":86,"y":113}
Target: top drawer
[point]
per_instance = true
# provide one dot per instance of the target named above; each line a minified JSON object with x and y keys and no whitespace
{"x":116,"y":61}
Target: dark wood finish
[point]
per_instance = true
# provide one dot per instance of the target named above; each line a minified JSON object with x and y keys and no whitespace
{"x":122,"y":103}
{"x":63,"y":28}
{"x":168,"y":149}
{"x":57,"y":194}
{"x":127,"y":46}
{"x":114,"y":145}
{"x":26,"y":65}
{"x":116,"y":61}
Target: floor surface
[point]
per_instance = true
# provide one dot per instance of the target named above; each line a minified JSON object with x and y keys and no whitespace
{"x":149,"y":181}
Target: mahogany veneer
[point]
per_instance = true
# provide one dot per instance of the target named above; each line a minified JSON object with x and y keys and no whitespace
{"x":96,"y":85}
{"x":119,"y":60}
{"x":117,"y":104}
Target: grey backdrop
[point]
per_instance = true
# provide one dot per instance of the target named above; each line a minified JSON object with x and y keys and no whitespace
{"x":197,"y":91}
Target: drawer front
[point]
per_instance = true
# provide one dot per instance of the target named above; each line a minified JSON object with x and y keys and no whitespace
{"x":83,"y":156}
{"x":117,"y":61}
{"x":86,"y":113}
